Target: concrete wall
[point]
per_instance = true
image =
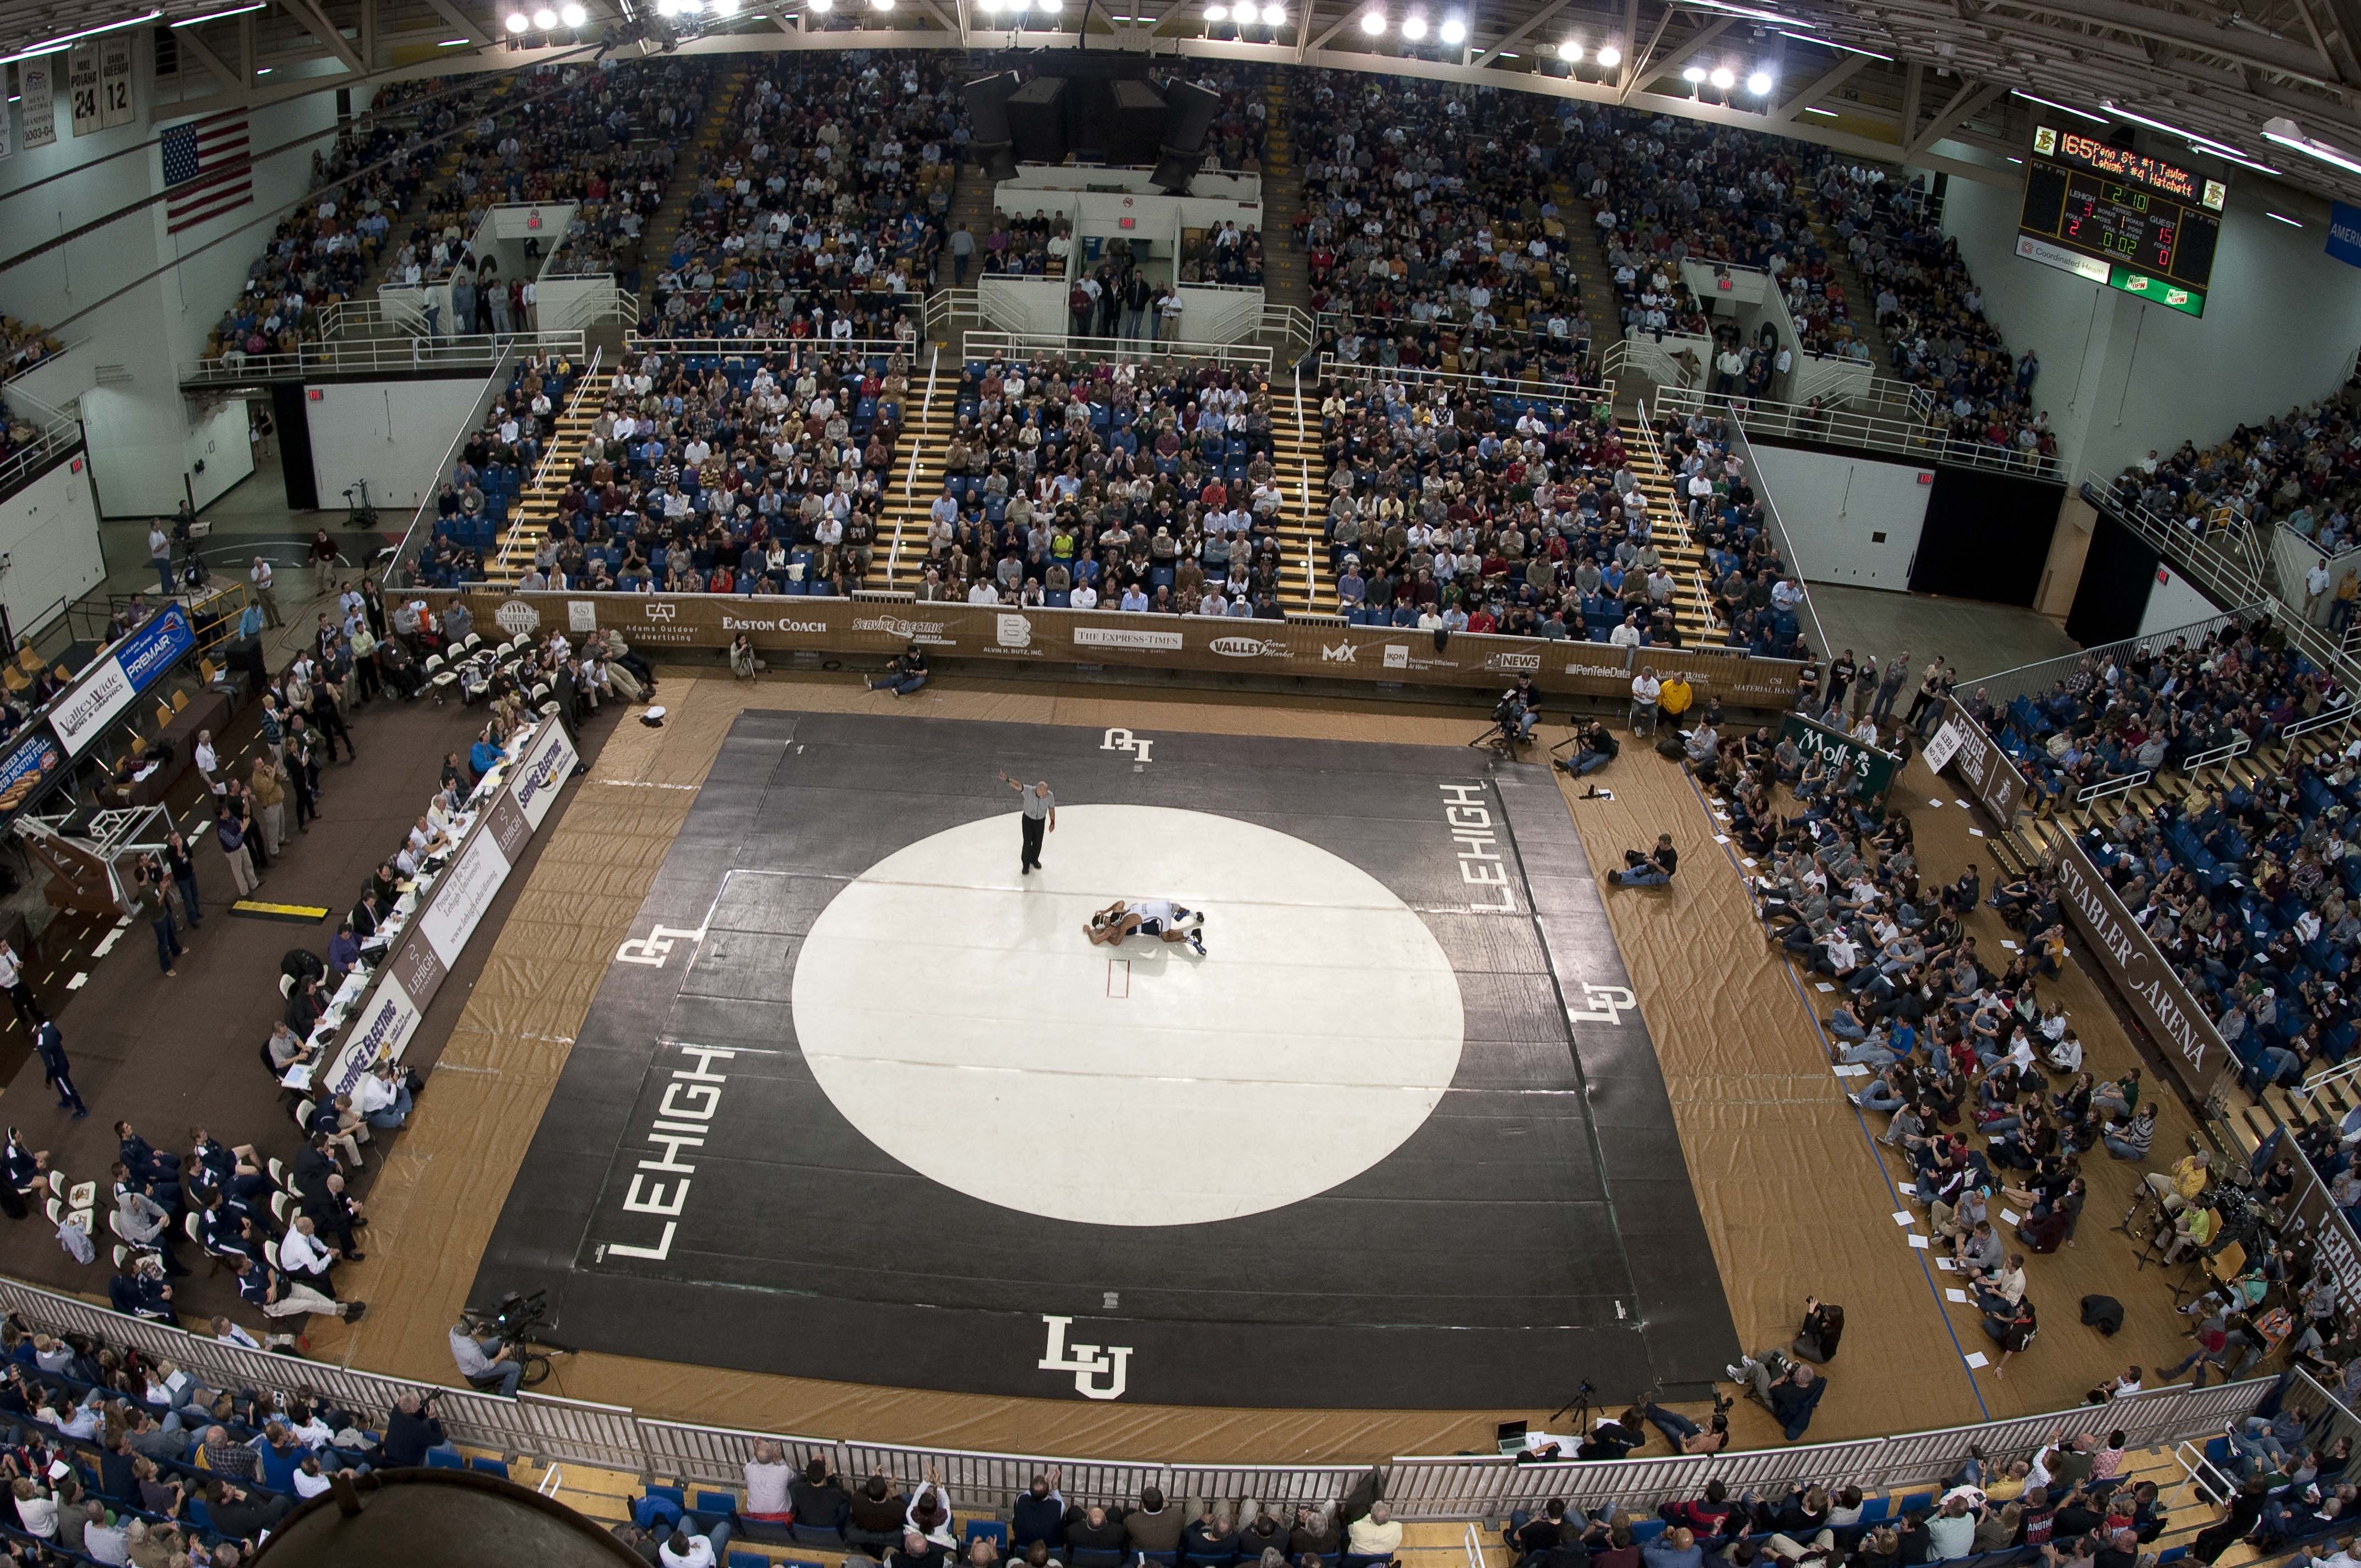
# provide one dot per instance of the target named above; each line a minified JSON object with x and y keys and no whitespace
{"x":2173,"y":601}
{"x":140,"y":434}
{"x":1852,"y":519}
{"x":391,"y":432}
{"x":49,"y":531}
{"x":2281,"y":323}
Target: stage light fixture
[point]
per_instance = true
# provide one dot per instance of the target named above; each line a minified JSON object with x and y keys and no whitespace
{"x":1760,"y":84}
{"x":1053,"y":7}
{"x":1570,"y":52}
{"x":544,"y":18}
{"x":1610,"y":57}
{"x":518,"y":21}
{"x":820,"y":8}
{"x":1454,"y":31}
{"x":1414,"y":27}
{"x":1274,"y":15}
{"x":1723,"y":79}
{"x":1693,"y":76}
{"x":1217,"y":13}
{"x":1373,"y":22}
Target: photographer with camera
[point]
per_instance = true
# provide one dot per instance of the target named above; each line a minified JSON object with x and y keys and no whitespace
{"x":1790,"y":1388}
{"x":486,"y":1363}
{"x":411,"y":1432}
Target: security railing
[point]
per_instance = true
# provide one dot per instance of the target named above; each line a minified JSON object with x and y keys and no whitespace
{"x":1442,"y":1488}
{"x":1018,"y":345}
{"x":1744,"y":451}
{"x":494,"y":385}
{"x":2004,"y":687}
{"x":1472,"y":381}
{"x":1912,"y":437}
{"x":55,"y":433}
{"x":376,"y":357}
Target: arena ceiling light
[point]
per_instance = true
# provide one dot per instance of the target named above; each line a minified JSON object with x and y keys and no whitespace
{"x":1610,"y":57}
{"x":518,"y":22}
{"x":1723,"y":79}
{"x":1773,"y":18}
{"x":51,"y":46}
{"x":1274,"y":15}
{"x":1454,"y":31}
{"x":820,"y":7}
{"x":2289,"y":134}
{"x":575,"y":15}
{"x":882,"y":5}
{"x":1414,"y":27}
{"x":2282,"y":217}
{"x":1570,"y":51}
{"x":1217,"y":13}
{"x":721,"y":8}
{"x":1693,"y":76}
{"x":1759,"y":83}
{"x":2061,"y":108}
{"x":544,"y":18}
{"x":218,"y":15}
{"x":1373,"y":22}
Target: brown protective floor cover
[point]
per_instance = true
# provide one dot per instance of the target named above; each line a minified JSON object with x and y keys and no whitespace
{"x":1792,"y":1190}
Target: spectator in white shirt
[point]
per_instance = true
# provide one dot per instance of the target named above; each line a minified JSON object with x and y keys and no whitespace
{"x":1646,"y":689}
{"x":303,"y":1255}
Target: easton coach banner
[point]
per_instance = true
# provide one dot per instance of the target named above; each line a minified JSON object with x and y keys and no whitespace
{"x":650,"y":623}
{"x":2180,"y":1029}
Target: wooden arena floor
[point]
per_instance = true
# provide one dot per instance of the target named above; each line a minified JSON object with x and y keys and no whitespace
{"x":1793,"y":1195}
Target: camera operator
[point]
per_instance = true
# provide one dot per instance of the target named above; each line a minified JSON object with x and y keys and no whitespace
{"x":486,"y":1363}
{"x":1791,"y":1388}
{"x":1653,"y":868}
{"x":1597,"y":747}
{"x":1517,"y":712}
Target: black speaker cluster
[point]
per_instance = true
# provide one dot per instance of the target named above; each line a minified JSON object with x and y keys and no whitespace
{"x":1099,"y":118}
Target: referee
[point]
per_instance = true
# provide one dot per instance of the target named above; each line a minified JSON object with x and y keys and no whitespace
{"x":1041,"y":817}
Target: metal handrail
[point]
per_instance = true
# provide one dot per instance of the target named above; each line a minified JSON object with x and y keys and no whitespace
{"x":1519,"y":387}
{"x":541,"y":469}
{"x":1023,"y":343}
{"x":494,"y":385}
{"x":1915,"y":438}
{"x":378,"y":356}
{"x":743,"y":348}
{"x":910,"y":476}
{"x":45,"y":361}
{"x":59,"y":433}
{"x":2105,"y":787}
{"x":1312,"y":539}
{"x":2227,"y":751}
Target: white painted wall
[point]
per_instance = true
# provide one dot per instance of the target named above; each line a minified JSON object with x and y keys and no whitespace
{"x":1856,"y":521}
{"x":1014,"y":304}
{"x":49,"y":531}
{"x":2118,"y":377}
{"x":2173,"y":601}
{"x":391,"y":432}
{"x":217,"y":440}
{"x":138,"y":430}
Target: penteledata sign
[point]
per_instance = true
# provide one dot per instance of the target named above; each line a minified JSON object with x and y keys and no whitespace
{"x":1113,"y":640}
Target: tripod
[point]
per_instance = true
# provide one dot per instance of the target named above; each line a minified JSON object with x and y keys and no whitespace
{"x":1579,"y":1405}
{"x":1497,"y":740}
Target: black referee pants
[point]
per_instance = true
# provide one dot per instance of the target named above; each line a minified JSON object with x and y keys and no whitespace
{"x":1030,"y":859}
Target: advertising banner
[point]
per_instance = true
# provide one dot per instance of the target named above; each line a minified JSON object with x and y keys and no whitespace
{"x":454,"y":907}
{"x":1111,"y":639}
{"x":1979,"y":764}
{"x":32,"y":758}
{"x":2181,"y":1029}
{"x":129,"y":668}
{"x":2345,"y":233}
{"x":1876,"y":770}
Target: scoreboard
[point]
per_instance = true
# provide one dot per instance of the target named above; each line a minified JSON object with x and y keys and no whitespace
{"x":2120,"y":218}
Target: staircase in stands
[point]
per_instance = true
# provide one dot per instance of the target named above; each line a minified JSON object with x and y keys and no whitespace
{"x":664,"y":224}
{"x":1692,"y":609}
{"x":2037,"y":834}
{"x":537,"y":507}
{"x":1286,"y":274}
{"x":901,"y":560}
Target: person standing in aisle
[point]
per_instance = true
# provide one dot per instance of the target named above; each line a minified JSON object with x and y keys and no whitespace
{"x":56,"y":1071}
{"x":1040,"y":820}
{"x":19,"y":988}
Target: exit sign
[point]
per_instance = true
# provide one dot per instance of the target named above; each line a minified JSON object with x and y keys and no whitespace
{"x":1126,"y":223}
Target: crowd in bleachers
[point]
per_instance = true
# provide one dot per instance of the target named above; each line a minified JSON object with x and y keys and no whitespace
{"x":2243,"y":888}
{"x":2295,"y":470}
{"x":324,"y":250}
{"x":737,"y":474}
{"x":24,"y":344}
{"x":1120,"y":486}
{"x":820,"y":212}
{"x":495,"y":464}
{"x":1931,"y":312}
{"x":1430,"y":228}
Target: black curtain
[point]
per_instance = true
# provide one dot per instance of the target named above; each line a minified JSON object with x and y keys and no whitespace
{"x":287,"y":411}
{"x":1987,"y":537}
{"x":2116,"y":578}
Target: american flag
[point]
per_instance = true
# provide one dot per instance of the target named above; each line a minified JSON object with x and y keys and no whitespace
{"x":206,"y":169}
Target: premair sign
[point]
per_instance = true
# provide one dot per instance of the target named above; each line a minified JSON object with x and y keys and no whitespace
{"x":129,"y":668}
{"x":1114,"y":640}
{"x":2163,"y":1005}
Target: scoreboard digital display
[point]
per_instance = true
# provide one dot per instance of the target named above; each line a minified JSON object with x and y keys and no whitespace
{"x":2120,"y":218}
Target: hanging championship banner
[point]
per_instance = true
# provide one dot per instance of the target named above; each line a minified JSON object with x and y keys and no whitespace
{"x":115,"y":80}
{"x":81,"y":88}
{"x":33,"y":84}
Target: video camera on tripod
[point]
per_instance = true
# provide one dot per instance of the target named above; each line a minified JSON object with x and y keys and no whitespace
{"x":518,"y":1320}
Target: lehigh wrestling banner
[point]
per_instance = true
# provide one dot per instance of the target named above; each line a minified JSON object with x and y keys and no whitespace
{"x":651,"y":623}
{"x":1976,"y":760}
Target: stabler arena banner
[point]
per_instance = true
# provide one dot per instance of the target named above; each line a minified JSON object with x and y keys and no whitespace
{"x":653,"y":623}
{"x":2181,"y":1029}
